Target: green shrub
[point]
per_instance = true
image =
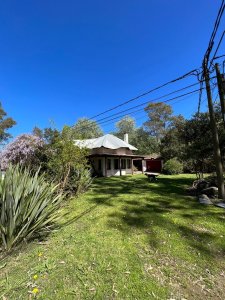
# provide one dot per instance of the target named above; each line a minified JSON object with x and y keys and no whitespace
{"x":82,"y":180}
{"x":67,"y":164}
{"x":173,"y":166}
{"x":29,"y":206}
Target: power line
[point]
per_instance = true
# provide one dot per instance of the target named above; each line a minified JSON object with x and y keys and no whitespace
{"x":219,"y":56}
{"x":169,"y":100}
{"x":105,"y":120}
{"x":146,"y":102}
{"x":217,"y":48}
{"x":129,"y":110}
{"x":192,"y":72}
{"x":214,"y":32}
{"x":215,"y":135}
{"x":209,"y":49}
{"x":141,"y":110}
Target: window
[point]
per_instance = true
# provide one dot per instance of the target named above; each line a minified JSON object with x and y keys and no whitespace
{"x":99,"y":165}
{"x":116,"y":164}
{"x":129,"y":163}
{"x":123,"y":163}
{"x":108,"y":164}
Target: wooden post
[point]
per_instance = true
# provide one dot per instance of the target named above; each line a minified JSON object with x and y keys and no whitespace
{"x":105,"y":166}
{"x":132,"y":167}
{"x":120,"y":166}
{"x":215,"y":141}
{"x":142,"y":166}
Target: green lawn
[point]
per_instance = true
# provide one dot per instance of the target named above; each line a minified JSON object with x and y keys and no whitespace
{"x":126,"y":238}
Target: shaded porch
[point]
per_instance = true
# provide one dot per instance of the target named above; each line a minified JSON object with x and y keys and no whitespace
{"x":113,"y":164}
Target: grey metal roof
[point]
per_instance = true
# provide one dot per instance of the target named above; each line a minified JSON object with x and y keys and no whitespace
{"x":108,"y":141}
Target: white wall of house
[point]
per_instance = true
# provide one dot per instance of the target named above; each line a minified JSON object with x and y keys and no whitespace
{"x":144,"y":165}
{"x":112,"y":166}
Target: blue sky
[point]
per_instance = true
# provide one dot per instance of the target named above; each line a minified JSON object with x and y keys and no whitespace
{"x":62,"y":60}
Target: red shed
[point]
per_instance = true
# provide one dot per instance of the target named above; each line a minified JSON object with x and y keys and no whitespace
{"x":153,"y":163}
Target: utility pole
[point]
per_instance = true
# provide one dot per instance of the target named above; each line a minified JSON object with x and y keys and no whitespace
{"x":221,"y":89}
{"x":216,"y":146}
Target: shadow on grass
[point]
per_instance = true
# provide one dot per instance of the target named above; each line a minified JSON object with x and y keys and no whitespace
{"x":159,"y":209}
{"x":127,"y":185}
{"x":76,"y":218}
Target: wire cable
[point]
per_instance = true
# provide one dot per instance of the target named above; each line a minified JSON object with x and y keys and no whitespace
{"x":218,"y":46}
{"x":141,"y":110}
{"x":192,"y":72}
{"x":165,"y":101}
{"x":214,"y":32}
{"x":151,"y":101}
{"x":146,"y":102}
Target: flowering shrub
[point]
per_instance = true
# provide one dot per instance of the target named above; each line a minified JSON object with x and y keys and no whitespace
{"x":59,"y":159}
{"x":21,"y":151}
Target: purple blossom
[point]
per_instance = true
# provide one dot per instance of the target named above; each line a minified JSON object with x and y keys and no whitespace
{"x":21,"y":150}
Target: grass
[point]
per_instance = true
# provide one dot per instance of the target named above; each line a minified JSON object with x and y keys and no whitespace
{"x":126,"y":238}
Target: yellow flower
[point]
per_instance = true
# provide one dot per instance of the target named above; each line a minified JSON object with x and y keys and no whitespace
{"x":35,"y":291}
{"x":35,"y":277}
{"x":40,"y":254}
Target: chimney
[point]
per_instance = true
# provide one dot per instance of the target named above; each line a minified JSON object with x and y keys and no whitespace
{"x":125,"y":137}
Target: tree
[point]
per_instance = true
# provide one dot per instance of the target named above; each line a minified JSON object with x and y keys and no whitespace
{"x":189,"y":141}
{"x":48,"y":134}
{"x":197,"y":137}
{"x":86,"y":129}
{"x":160,"y":116}
{"x":172,"y":145}
{"x":67,"y":163}
{"x":138,"y":137}
{"x":5,"y":124}
{"x":37,"y":131}
{"x":145,"y":143}
{"x":23,"y":151}
{"x":126,"y":125}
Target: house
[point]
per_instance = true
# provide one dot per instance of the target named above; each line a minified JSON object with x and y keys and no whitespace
{"x":109,"y":155}
{"x":153,"y":163}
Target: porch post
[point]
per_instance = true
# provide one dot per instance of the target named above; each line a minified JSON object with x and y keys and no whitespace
{"x":105,"y":166}
{"x":132,"y":167}
{"x":120,"y":166}
{"x":142,"y":166}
